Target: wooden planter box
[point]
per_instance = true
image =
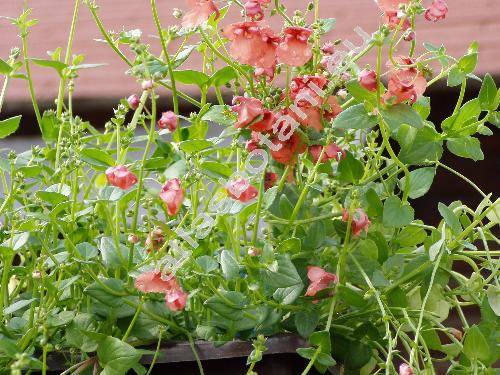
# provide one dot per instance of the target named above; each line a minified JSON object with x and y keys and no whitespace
{"x":279,"y":359}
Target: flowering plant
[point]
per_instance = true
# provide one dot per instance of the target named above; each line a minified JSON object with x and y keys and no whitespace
{"x":295,"y":216}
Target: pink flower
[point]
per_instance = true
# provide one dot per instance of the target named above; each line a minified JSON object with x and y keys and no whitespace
{"x":309,"y":117}
{"x":294,"y":49}
{"x":320,"y":279}
{"x":390,"y":5}
{"x":368,"y":80}
{"x":270,"y":180}
{"x":309,"y":87}
{"x":176,"y":299}
{"x":252,"y":43}
{"x":404,"y":369}
{"x":168,"y":120}
{"x":121,"y":177}
{"x":335,"y":108}
{"x":327,"y":48}
{"x":200,"y":11}
{"x":332,"y":151}
{"x":241,"y":190}
{"x":249,"y":110}
{"x":253,"y":9}
{"x":172,"y":195}
{"x":405,"y":84}
{"x":268,"y":73}
{"x":436,"y":11}
{"x":360,"y":221}
{"x":393,"y":21}
{"x":133,"y":101}
{"x":154,"y":282}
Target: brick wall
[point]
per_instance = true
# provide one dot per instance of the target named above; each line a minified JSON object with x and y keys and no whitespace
{"x":467,"y":20}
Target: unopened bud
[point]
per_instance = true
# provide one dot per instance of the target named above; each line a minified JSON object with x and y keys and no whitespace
{"x":133,"y":238}
{"x":253,"y":252}
{"x":147,"y":84}
{"x":133,"y":101}
{"x":177,"y":13}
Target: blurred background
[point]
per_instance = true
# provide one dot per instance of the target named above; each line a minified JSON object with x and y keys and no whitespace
{"x":98,"y":91}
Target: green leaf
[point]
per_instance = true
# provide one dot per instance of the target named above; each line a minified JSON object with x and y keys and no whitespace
{"x":116,"y":357}
{"x":229,"y":305}
{"x":350,"y":297}
{"x":5,"y":68}
{"x":18,"y":306}
{"x":176,"y":170}
{"x":191,"y":77}
{"x":419,"y":145}
{"x":327,"y":25}
{"x":229,"y":265}
{"x":306,"y":322}
{"x":57,"y":65}
{"x":493,"y":294}
{"x":222,"y":76}
{"x":450,"y":218}
{"x":350,"y":169}
{"x":400,"y":114}
{"x":215,"y":169}
{"x":207,"y":263}
{"x":397,"y":214}
{"x":468,"y":63}
{"x":49,"y":128}
{"x":9,"y":126}
{"x":355,"y":117}
{"x":455,"y":76}
{"x":111,"y":256}
{"x":475,"y":345}
{"x":217,"y":114}
{"x":423,"y":106}
{"x":321,"y":339}
{"x":467,"y":115}
{"x":284,"y":279}
{"x":195,"y":145}
{"x":360,"y":93}
{"x":108,"y":292}
{"x":488,"y":93}
{"x":468,"y":147}
{"x":87,"y":251}
{"x":97,"y":158}
{"x":182,"y":56}
{"x":420,"y":182}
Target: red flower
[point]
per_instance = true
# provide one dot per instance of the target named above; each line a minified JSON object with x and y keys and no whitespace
{"x":390,"y":5}
{"x":247,"y":109}
{"x":176,"y":299}
{"x":327,"y":48}
{"x":307,"y":86}
{"x":294,"y":49}
{"x":368,"y":80}
{"x":168,"y":120}
{"x":241,"y":190}
{"x":320,"y":279}
{"x":307,"y":116}
{"x":334,"y":109}
{"x":284,"y":152}
{"x":133,"y":101}
{"x":404,"y":369}
{"x":252,"y":43}
{"x":253,"y":9}
{"x":270,"y":180}
{"x":172,"y":195}
{"x":405,"y":83}
{"x":121,"y":177}
{"x":360,"y":221}
{"x":154,"y":282}
{"x":436,"y":11}
{"x":200,"y":11}
{"x":332,"y":151}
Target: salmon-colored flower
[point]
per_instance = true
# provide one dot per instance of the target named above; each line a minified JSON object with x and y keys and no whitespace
{"x":200,"y":11}
{"x":319,"y":280}
{"x":133,"y":101}
{"x":328,"y":48}
{"x":252,"y":43}
{"x":285,"y":152}
{"x":332,"y":151}
{"x":436,"y":11}
{"x":334,"y":108}
{"x":359,"y":223}
{"x":155,"y":282}
{"x":121,"y":177}
{"x":270,"y":180}
{"x":241,"y":190}
{"x":294,"y":49}
{"x":253,"y":143}
{"x":168,"y":120}
{"x":404,"y":369}
{"x":307,"y":116}
{"x":176,"y":299}
{"x":253,"y":9}
{"x":172,"y":195}
{"x":267,"y":73}
{"x":405,"y":83}
{"x":368,"y":79}
{"x":390,"y":5}
{"x":393,"y":21}
{"x":247,"y":109}
{"x":307,"y":88}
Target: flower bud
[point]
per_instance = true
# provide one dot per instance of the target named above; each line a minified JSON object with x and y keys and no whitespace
{"x":177,"y":13}
{"x":253,"y":252}
{"x":327,"y":48}
{"x":457,"y":333}
{"x":147,"y":84}
{"x":133,"y":238}
{"x":368,"y":80}
{"x":168,"y":121}
{"x":133,"y":101}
